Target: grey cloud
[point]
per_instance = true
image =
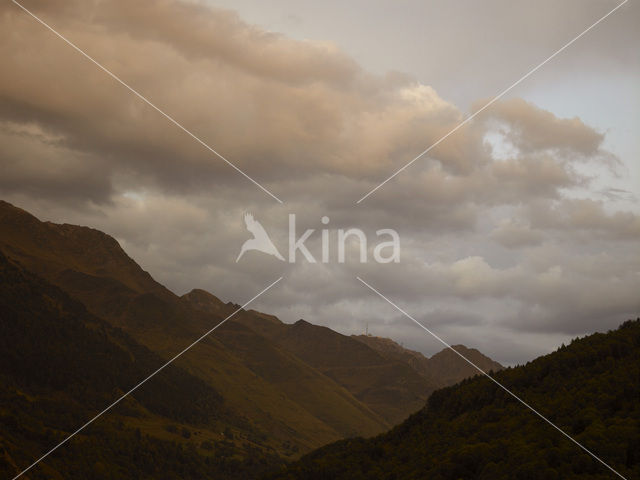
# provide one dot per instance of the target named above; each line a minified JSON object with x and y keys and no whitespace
{"x":585,"y":215}
{"x":36,"y":162}
{"x":532,"y":129}
{"x":514,"y":234}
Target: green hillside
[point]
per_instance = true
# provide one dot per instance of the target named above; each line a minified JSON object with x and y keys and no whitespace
{"x":475,"y":430}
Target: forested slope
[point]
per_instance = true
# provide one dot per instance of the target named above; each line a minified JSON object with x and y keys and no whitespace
{"x":475,"y":430}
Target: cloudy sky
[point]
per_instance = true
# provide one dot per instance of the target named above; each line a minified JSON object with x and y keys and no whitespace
{"x":518,"y":232}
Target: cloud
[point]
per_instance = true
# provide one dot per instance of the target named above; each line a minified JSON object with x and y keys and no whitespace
{"x":513,"y":234}
{"x":494,"y":237}
{"x":585,"y":217}
{"x":37,"y":161}
{"x":264,"y":101}
{"x":532,"y":129}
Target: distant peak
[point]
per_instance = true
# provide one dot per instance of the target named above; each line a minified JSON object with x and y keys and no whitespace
{"x":460,"y":349}
{"x":202,"y":300}
{"x":5,"y":204}
{"x":7,"y":210}
{"x":50,"y":248}
{"x":198,"y":292}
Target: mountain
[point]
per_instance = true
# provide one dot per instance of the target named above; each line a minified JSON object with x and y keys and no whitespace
{"x":475,"y":430}
{"x":256,"y":392}
{"x":448,"y":368}
{"x":56,"y":250}
{"x":443,"y":369}
{"x":287,"y":404}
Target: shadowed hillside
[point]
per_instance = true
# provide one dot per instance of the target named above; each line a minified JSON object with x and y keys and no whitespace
{"x":60,"y":365}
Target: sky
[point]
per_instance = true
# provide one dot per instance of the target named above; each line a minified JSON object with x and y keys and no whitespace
{"x":517,"y":232}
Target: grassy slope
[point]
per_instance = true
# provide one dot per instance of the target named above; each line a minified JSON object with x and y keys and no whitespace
{"x":392,"y":389}
{"x":286,"y":411}
{"x":388,"y":387}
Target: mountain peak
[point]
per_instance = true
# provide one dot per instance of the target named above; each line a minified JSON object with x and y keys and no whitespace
{"x":70,"y":253}
{"x":203,"y":300}
{"x":444,"y":368}
{"x":451,"y":368}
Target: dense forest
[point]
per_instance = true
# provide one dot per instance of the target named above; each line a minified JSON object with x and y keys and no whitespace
{"x":475,"y":430}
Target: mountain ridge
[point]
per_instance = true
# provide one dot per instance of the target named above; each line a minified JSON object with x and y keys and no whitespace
{"x":442,"y":369}
{"x":283,"y":389}
{"x":166,"y":323}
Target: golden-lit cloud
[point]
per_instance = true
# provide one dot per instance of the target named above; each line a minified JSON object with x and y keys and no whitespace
{"x":492,"y":227}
